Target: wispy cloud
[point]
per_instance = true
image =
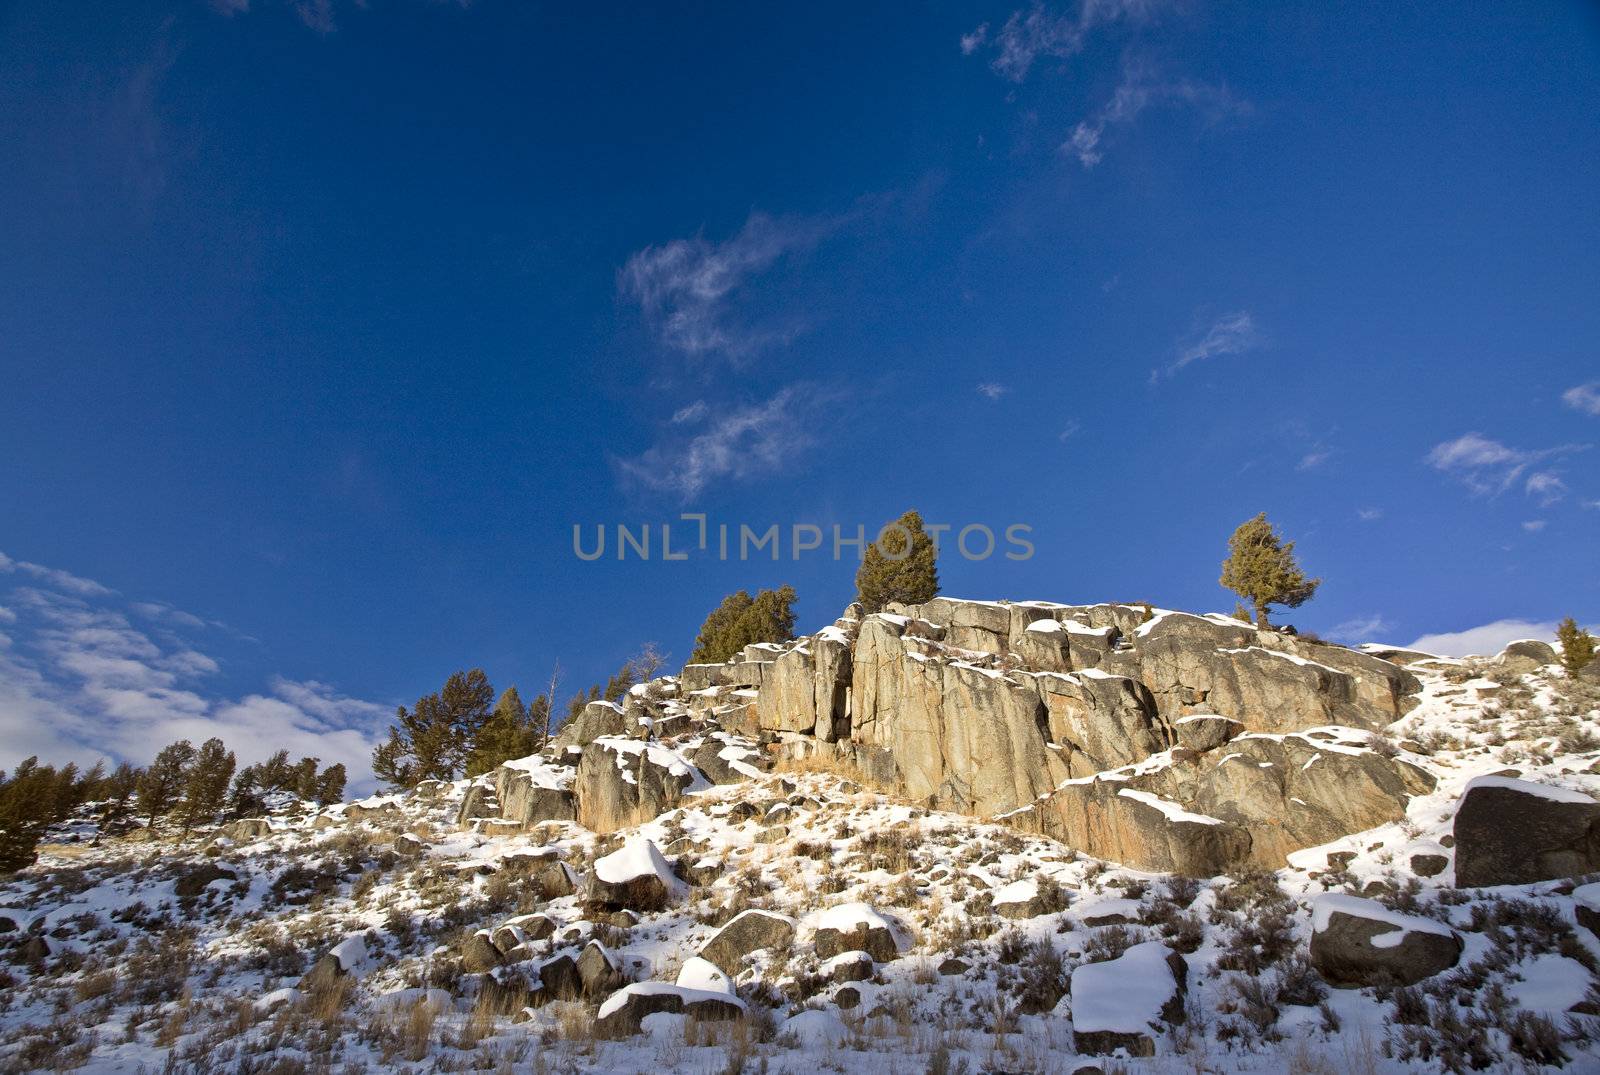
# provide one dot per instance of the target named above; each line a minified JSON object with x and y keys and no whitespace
{"x":1232,"y":334}
{"x":317,"y":14}
{"x":80,"y":679}
{"x":1488,"y":638}
{"x":992,"y":391}
{"x":1142,"y":87}
{"x":1533,"y":526}
{"x":691,"y":413}
{"x":1360,"y":629}
{"x":1583,"y":397}
{"x":740,"y":443}
{"x":61,"y":580}
{"x":1315,"y":458}
{"x":688,"y":288}
{"x":1369,"y":515}
{"x":1070,"y":430}
{"x":1488,"y":468}
{"x":1039,"y":33}
{"x":1546,"y":486}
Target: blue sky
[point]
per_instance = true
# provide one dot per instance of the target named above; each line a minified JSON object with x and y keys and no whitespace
{"x":324,"y":324}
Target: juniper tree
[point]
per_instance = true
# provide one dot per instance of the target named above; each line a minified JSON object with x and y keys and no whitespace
{"x":330,"y":785}
{"x":1261,"y":568}
{"x":1577,"y":646}
{"x":741,"y":620}
{"x":161,"y":784}
{"x":26,"y":801}
{"x":891,"y":571}
{"x":205,"y":784}
{"x":508,"y":733}
{"x":431,"y":741}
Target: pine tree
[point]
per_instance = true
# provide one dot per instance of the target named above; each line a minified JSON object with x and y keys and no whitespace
{"x":330,"y":785}
{"x":507,"y":734}
{"x":1261,"y":568}
{"x":907,"y":577}
{"x":205,"y":784}
{"x":431,"y":741}
{"x":305,"y":779}
{"x":26,"y":802}
{"x":737,"y":622}
{"x":248,"y":797}
{"x":1577,"y":646}
{"x":275,"y":774}
{"x":161,"y":785}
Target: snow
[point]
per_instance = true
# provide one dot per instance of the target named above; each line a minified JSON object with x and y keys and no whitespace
{"x":1290,"y":657}
{"x":1323,"y":910}
{"x":616,"y":1000}
{"x":1016,"y":892}
{"x":637,"y":857}
{"x":1045,"y":627}
{"x":1588,"y":896}
{"x":1172,"y":810}
{"x":1551,"y":983}
{"x":1528,"y":787}
{"x":1123,"y":995}
{"x":847,"y":916}
{"x":705,"y":976}
{"x":815,"y":1030}
{"x":351,"y":952}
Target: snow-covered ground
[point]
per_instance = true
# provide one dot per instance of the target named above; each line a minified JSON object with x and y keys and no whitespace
{"x":994,"y":931}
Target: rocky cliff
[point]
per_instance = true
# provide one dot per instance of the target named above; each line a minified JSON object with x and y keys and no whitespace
{"x":1159,"y":739}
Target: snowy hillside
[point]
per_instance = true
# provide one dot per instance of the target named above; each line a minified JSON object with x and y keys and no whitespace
{"x":689,"y":890}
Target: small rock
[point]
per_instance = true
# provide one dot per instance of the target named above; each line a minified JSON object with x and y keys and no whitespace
{"x":1426,"y":865}
{"x":953,"y":966}
{"x":847,"y":997}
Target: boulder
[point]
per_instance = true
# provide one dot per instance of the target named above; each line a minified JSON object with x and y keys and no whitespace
{"x":478,"y":953}
{"x":635,"y":877}
{"x":1586,"y":901}
{"x":855,"y":927}
{"x":1429,"y":865}
{"x":1205,"y":731}
{"x":747,"y":932}
{"x":343,"y":958}
{"x":598,"y":718}
{"x":532,"y":790}
{"x":624,"y":1010}
{"x":249,"y":828}
{"x":1124,"y":1002}
{"x":1020,"y":899}
{"x":599,"y":970}
{"x":1515,"y":832}
{"x":559,"y":978}
{"x":728,"y":759}
{"x":197,"y":879}
{"x":476,"y":802}
{"x":1527,"y":655}
{"x":1358,"y":942}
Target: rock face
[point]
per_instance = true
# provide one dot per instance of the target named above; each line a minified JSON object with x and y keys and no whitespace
{"x":625,"y":782}
{"x":1357,"y":942}
{"x":1527,"y":655}
{"x":1514,"y":832}
{"x":1160,"y":739}
{"x":1123,"y":1003}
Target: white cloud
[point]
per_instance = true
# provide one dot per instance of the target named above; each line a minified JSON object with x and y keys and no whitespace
{"x":1232,"y":334}
{"x":1583,"y":397}
{"x":1488,"y":467}
{"x":1547,"y":486}
{"x":1142,"y":86}
{"x":739,"y":443}
{"x":1533,"y":526}
{"x":80,"y":681}
{"x":691,"y":413}
{"x":687,"y":288}
{"x":61,"y":580}
{"x":1369,"y":515}
{"x":991,"y":390}
{"x":1486,"y":639}
{"x":1314,"y":458}
{"x":1038,"y":32}
{"x":1072,"y":429}
{"x":1360,"y":629}
{"x":162,"y":612}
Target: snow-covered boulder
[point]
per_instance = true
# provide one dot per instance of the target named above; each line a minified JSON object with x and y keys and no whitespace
{"x":1516,"y":832}
{"x":705,"y":976}
{"x":625,"y":782}
{"x":479,"y":954}
{"x":346,"y":957}
{"x":623,"y":1011}
{"x":599,"y":970}
{"x":748,"y":931}
{"x":1359,"y":942}
{"x":855,"y":927}
{"x":814,"y":1030}
{"x":1124,"y":1002}
{"x":635,"y":877}
{"x":1526,"y":655}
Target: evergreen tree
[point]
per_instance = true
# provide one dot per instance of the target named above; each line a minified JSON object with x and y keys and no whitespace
{"x":330,"y":785}
{"x":26,"y":803}
{"x":205,"y":784}
{"x":1261,"y":568}
{"x":431,"y":741}
{"x":275,"y":774}
{"x":305,"y":779}
{"x":508,"y":733}
{"x":116,"y":797}
{"x":248,"y":797}
{"x":1577,"y":646}
{"x":891,"y":573}
{"x":737,"y":622}
{"x":161,"y":785}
